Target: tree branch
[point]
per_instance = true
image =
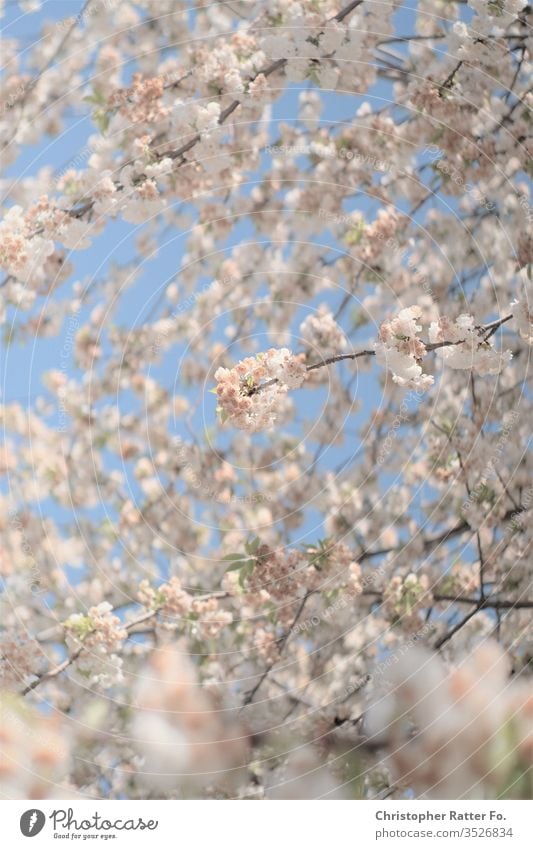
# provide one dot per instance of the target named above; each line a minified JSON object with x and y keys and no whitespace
{"x":429,"y":346}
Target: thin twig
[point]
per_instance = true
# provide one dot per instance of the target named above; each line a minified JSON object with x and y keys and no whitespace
{"x":440,"y":642}
{"x":282,"y":642}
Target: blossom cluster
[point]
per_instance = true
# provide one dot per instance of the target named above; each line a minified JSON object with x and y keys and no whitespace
{"x":322,"y":334}
{"x":23,"y":257}
{"x":523,"y":317}
{"x":400,"y":349}
{"x":251,"y":394}
{"x":177,"y":607}
{"x":404,"y":599}
{"x":469,"y":346}
{"x":100,"y":634}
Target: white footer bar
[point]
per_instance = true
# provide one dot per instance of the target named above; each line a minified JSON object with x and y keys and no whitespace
{"x":266,"y":825}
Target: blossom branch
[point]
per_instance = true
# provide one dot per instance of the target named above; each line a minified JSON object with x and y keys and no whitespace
{"x":131,"y":627}
{"x":492,"y":327}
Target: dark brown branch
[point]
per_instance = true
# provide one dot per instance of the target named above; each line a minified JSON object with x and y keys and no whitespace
{"x":440,"y":642}
{"x":327,"y":361}
{"x":448,"y":82}
{"x":54,"y":672}
{"x":487,"y":602}
{"x":346,"y":11}
{"x":480,"y":604}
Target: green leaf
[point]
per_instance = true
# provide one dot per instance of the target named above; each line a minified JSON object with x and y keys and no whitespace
{"x":101,"y":119}
{"x":355,"y":233}
{"x":242,"y":578}
{"x":97,"y":97}
{"x":244,"y":567}
{"x":253,"y":546}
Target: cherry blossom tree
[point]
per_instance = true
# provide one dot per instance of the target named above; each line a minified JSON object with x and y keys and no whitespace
{"x":267,"y":500}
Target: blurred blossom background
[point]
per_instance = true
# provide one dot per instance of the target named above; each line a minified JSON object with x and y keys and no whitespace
{"x":265,"y":481}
